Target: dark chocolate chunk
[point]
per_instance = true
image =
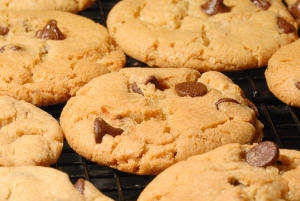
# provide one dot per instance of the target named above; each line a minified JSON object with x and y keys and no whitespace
{"x":79,"y":185}
{"x":212,"y":7}
{"x":233,"y":181}
{"x":285,"y":25}
{"x":152,"y":79}
{"x":4,"y":30}
{"x":192,"y":89}
{"x":101,"y":128}
{"x":136,"y":89}
{"x":263,"y":4}
{"x":264,"y":154}
{"x":295,"y":9}
{"x":297,"y":85}
{"x":225,"y":100}
{"x":50,"y":32}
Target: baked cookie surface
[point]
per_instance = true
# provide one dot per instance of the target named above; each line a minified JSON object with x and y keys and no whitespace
{"x":47,"y":55}
{"x":28,"y":135}
{"x":63,"y":5}
{"x":46,"y":184}
{"x":202,"y":34}
{"x":224,"y":174}
{"x":283,"y":74}
{"x":294,"y":7}
{"x":141,"y":120}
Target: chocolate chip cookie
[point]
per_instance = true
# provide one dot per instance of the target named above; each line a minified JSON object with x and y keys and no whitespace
{"x":46,"y":56}
{"x":63,"y":5}
{"x":142,"y":120}
{"x":232,"y":172}
{"x":28,"y":135}
{"x":294,"y":7}
{"x":206,"y":35}
{"x":47,"y":184}
{"x":283,"y":74}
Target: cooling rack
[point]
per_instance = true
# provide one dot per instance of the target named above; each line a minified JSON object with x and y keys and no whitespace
{"x":282,"y":125}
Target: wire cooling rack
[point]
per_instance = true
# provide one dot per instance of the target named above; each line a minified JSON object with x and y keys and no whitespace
{"x":282,"y":125}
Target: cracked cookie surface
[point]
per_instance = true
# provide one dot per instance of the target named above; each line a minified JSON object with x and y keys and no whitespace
{"x":283,"y":74}
{"x":28,"y":135}
{"x":223,"y":174}
{"x":62,"y":5}
{"x":46,"y":56}
{"x":142,"y":120}
{"x":47,"y":184}
{"x":179,"y":33}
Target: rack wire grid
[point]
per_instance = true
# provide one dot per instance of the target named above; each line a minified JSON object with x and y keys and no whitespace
{"x":282,"y":125}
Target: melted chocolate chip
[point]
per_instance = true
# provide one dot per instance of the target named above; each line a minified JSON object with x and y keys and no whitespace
{"x":212,"y":7}
{"x":285,"y":25}
{"x":297,"y":85}
{"x":264,"y":154}
{"x":14,"y":48}
{"x":136,"y":89}
{"x":50,"y":32}
{"x":192,"y":89}
{"x":79,"y":185}
{"x":4,"y":30}
{"x":152,"y":79}
{"x":263,"y":4}
{"x":225,"y":100}
{"x":295,"y":9}
{"x":101,"y":128}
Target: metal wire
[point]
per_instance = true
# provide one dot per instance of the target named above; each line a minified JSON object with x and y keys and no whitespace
{"x":282,"y":125}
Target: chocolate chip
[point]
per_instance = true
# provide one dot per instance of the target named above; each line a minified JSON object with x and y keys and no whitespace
{"x":285,"y":26}
{"x":4,"y":30}
{"x":152,"y":79}
{"x":295,"y":9}
{"x":297,"y":85}
{"x":136,"y":89}
{"x":225,"y":100}
{"x":264,"y":154}
{"x":79,"y":185}
{"x":50,"y":32}
{"x":263,"y":4}
{"x":101,"y":128}
{"x":252,"y":106}
{"x":192,"y":89}
{"x":14,"y":48}
{"x":233,"y":181}
{"x":212,"y":7}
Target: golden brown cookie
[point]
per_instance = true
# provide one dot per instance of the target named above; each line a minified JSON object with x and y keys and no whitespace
{"x":46,"y":56}
{"x":142,"y":120}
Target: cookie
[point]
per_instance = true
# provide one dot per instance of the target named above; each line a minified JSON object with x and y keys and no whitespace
{"x":62,"y":5}
{"x":28,"y":135}
{"x":47,"y":184}
{"x":204,"y":34}
{"x":228,"y":173}
{"x":283,"y":74}
{"x":46,"y":56}
{"x":294,"y":7}
{"x":142,"y":120}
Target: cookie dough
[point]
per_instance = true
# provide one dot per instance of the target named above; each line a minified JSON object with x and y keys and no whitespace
{"x":283,"y":74}
{"x":225,"y":174}
{"x":63,"y":5}
{"x":46,"y":56}
{"x":28,"y":135}
{"x":203,"y":34}
{"x":294,"y":7}
{"x":47,"y":184}
{"x":142,"y":120}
